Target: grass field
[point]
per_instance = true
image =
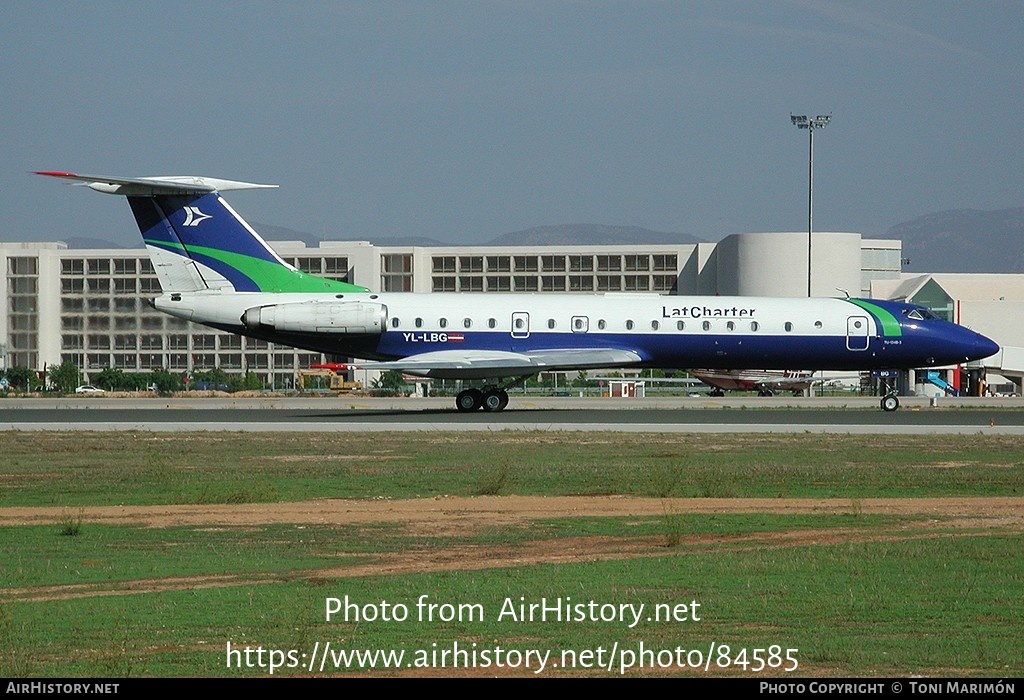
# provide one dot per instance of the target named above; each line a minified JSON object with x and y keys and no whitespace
{"x":148,"y":555}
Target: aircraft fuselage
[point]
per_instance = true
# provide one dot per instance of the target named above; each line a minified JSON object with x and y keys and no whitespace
{"x":664,"y":331}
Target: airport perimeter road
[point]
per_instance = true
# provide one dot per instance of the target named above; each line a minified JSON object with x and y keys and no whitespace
{"x":566,"y":414}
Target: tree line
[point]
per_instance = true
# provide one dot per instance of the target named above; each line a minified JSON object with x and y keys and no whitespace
{"x":66,"y":377}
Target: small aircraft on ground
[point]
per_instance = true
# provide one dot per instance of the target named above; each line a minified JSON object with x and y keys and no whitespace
{"x":764,"y":381}
{"x":214,"y":269}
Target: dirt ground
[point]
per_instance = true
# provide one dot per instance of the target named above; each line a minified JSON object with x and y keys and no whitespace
{"x":442,"y":516}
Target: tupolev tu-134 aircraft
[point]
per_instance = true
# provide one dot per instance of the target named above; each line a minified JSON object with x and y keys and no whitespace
{"x":214,"y":269}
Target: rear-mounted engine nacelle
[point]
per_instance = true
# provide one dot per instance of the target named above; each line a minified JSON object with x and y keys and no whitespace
{"x":318,"y":317}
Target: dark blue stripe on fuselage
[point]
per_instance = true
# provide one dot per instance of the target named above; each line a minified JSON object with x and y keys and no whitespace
{"x":927,"y":343}
{"x":669,"y":350}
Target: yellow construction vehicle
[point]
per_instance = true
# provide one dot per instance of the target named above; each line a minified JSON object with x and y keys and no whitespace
{"x":329,"y":376}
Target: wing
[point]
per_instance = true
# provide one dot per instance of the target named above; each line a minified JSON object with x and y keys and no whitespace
{"x":488,"y":364}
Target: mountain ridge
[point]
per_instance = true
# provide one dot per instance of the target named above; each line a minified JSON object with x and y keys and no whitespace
{"x":954,"y":240}
{"x":963,"y":240}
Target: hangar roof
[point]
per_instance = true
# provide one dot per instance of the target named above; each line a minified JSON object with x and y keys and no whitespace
{"x":961,"y":286}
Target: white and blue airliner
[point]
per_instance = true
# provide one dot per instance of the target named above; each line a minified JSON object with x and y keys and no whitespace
{"x":214,"y":269}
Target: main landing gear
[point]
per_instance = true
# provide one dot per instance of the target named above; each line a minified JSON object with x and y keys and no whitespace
{"x":491,"y":397}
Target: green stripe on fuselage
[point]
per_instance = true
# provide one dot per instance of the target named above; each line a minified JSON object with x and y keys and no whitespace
{"x":268,"y":276}
{"x":890,"y":324}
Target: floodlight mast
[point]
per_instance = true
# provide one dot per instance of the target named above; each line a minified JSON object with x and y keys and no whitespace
{"x":810,"y":123}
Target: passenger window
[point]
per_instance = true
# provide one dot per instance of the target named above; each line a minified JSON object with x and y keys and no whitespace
{"x":754,"y":325}
{"x":655,"y":325}
{"x":680,"y":325}
{"x":551,"y":323}
{"x":578,"y":324}
{"x":601,"y":324}
{"x":730,"y":325}
{"x":419,"y":322}
{"x":467,"y":323}
{"x":629,"y":325}
{"x":443,"y":322}
{"x":817,"y":324}
{"x":491,"y":323}
{"x":706,"y":325}
{"x":788,"y":326}
{"x":394,"y":323}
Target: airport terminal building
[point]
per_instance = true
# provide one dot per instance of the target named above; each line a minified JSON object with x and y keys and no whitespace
{"x":90,"y":306}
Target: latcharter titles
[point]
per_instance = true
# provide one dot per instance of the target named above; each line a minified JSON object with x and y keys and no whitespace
{"x":705,"y":312}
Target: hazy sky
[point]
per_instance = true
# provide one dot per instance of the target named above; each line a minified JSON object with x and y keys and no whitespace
{"x":464,"y":120}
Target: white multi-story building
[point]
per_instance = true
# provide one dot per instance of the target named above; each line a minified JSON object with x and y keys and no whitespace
{"x":90,"y":306}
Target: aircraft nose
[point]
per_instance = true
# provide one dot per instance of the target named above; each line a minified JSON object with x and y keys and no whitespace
{"x":984,"y":347}
{"x":976,"y":346}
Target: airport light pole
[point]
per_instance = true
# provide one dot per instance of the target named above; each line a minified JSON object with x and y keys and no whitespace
{"x":810,"y":123}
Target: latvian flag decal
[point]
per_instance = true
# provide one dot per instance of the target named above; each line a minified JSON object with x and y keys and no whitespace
{"x":456,"y":337}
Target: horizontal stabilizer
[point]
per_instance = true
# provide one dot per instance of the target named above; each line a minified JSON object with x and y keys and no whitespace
{"x":153,"y":186}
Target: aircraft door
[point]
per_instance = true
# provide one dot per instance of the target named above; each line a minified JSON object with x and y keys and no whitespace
{"x":520,"y":324}
{"x":857,"y":330}
{"x":580,"y":324}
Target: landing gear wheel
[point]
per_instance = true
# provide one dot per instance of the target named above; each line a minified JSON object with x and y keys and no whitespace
{"x":890,"y":403}
{"x":494,"y":400}
{"x":716,"y":392}
{"x":469,"y":400}
{"x":765,"y":392}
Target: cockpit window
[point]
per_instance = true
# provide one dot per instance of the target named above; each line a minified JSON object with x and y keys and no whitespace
{"x":920,"y":313}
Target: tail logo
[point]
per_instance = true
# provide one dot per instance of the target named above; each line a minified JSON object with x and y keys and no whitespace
{"x":194,"y":217}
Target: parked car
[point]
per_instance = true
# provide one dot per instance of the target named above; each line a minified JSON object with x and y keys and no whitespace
{"x":88,"y":389}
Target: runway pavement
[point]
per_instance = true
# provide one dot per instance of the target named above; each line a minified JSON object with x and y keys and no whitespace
{"x":663,"y":415}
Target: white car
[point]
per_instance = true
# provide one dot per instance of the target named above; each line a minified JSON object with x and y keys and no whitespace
{"x":88,"y":389}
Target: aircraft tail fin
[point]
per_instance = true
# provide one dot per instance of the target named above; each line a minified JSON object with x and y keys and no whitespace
{"x":197,"y":241}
